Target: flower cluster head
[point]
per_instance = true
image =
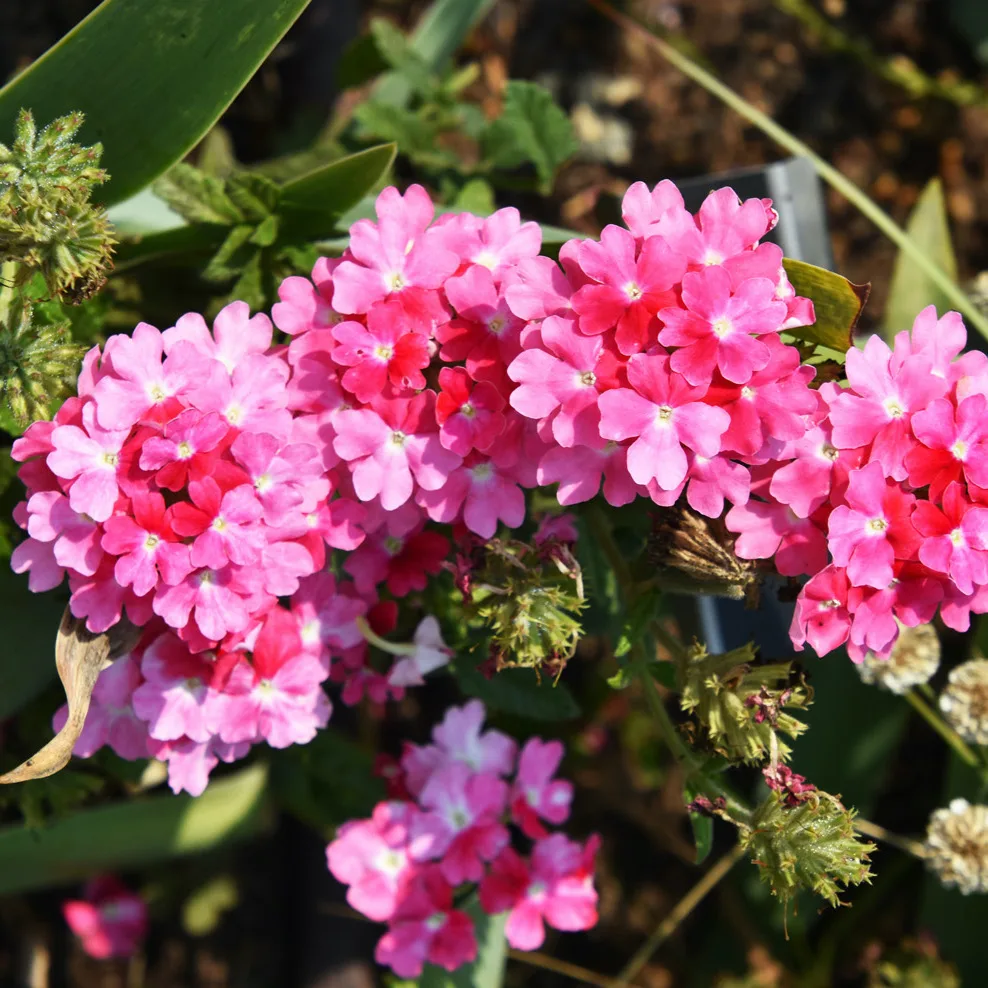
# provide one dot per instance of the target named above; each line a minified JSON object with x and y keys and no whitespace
{"x":964,"y":701}
{"x":957,"y":846}
{"x":109,"y":920}
{"x":914,"y":659}
{"x":882,"y":499}
{"x":456,"y":802}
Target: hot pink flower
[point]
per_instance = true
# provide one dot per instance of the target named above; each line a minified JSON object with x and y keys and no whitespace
{"x":253,"y":398}
{"x":642,"y":209}
{"x":556,"y":887}
{"x":714,"y":479}
{"x":146,"y":546}
{"x":186,"y":449}
{"x":75,"y":537}
{"x":325,"y":616}
{"x":393,"y":257}
{"x":90,"y":456}
{"x":872,"y":529}
{"x":404,"y":562}
{"x":426,"y":927}
{"x":393,"y":445}
{"x":371,"y":856}
{"x":381,"y":352}
{"x":215,"y":600}
{"x":768,"y":530}
{"x":629,"y":290}
{"x":876,"y":409}
{"x":110,"y":920}
{"x":497,"y":242}
{"x":822,"y":617}
{"x":938,"y":340}
{"x":717,"y":328}
{"x":580,"y":469}
{"x":954,"y":538}
{"x":225,"y":524}
{"x":954,"y":444}
{"x":536,"y":795}
{"x":236,"y":335}
{"x":285,"y":478}
{"x":470,"y":416}
{"x":305,"y":306}
{"x":664,"y":413}
{"x":463,"y":828}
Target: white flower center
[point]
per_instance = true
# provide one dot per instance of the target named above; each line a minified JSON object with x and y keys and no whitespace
{"x":151,"y":542}
{"x":633,"y":291}
{"x":959,"y":449}
{"x":587,"y":379}
{"x":829,"y":452}
{"x":233,"y":414}
{"x":482,"y":471}
{"x":875,"y":526}
{"x":722,"y":327}
{"x":748,"y":392}
{"x":496,"y":325}
{"x":183,"y":450}
{"x":487,"y":259}
{"x":468,"y":410}
{"x":384,"y":353}
{"x":398,"y":439}
{"x":663,"y":417}
{"x":157,"y":392}
{"x":263,"y":483}
{"x":219,"y":524}
{"x":957,"y":539}
{"x":110,"y":460}
{"x":435,"y":922}
{"x":894,"y":408}
{"x":712,"y":257}
{"x":394,"y":281}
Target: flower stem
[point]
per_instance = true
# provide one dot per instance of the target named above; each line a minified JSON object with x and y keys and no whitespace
{"x":683,"y":908}
{"x":537,"y":959}
{"x":794,"y":145}
{"x":877,"y":832}
{"x":392,"y":648}
{"x":943,"y":729}
{"x":8,"y":272}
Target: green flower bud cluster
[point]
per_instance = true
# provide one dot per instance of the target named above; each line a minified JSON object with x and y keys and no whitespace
{"x":742,"y":706}
{"x":38,"y":365}
{"x":529,"y":601}
{"x":914,"y":964}
{"x":47,"y":222}
{"x":810,"y":845}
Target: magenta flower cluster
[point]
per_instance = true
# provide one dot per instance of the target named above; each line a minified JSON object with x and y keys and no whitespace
{"x":446,"y":828}
{"x":110,"y":920}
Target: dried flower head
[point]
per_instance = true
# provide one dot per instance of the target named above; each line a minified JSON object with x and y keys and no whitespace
{"x":741,"y":705}
{"x":811,"y":845}
{"x":914,"y":659}
{"x":965,"y":700}
{"x":957,"y":846}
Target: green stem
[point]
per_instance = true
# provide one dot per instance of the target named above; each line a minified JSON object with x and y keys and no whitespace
{"x":8,"y":278}
{"x":943,"y":729}
{"x":392,"y":648}
{"x":683,"y":908}
{"x":826,"y":171}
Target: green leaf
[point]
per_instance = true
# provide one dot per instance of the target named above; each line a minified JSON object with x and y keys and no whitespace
{"x":311,"y":205}
{"x":398,"y":53}
{"x":911,"y":290}
{"x":196,"y":196}
{"x":439,"y":34}
{"x":152,"y":78}
{"x":519,"y":692}
{"x":414,"y":134}
{"x":640,"y":614}
{"x":531,"y":128}
{"x":360,"y":62}
{"x":476,"y":196}
{"x":30,"y":623}
{"x":487,"y":971}
{"x":838,"y":304}
{"x":703,"y":826}
{"x":135,"y":832}
{"x":188,"y":241}
{"x":255,"y":195}
{"x":203,"y":910}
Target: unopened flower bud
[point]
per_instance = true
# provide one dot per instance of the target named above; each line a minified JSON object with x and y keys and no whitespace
{"x":957,"y":846}
{"x":914,"y":659}
{"x":965,"y":700}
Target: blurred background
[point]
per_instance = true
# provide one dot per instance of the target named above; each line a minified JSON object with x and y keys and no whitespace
{"x":890,"y":92}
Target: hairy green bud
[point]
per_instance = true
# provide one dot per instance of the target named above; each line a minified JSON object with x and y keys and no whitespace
{"x":38,"y":365}
{"x":810,"y":845}
{"x":47,"y":223}
{"x":742,"y":706}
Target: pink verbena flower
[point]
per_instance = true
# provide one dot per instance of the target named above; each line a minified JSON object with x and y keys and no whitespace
{"x":629,"y":287}
{"x":307,"y":305}
{"x":426,"y":927}
{"x":822,"y":618}
{"x":555,"y":887}
{"x":392,"y":446}
{"x":224,"y":524}
{"x":431,"y":653}
{"x":74,"y":537}
{"x":717,"y":328}
{"x":953,"y":444}
{"x":662,"y":413}
{"x":463,"y":828}
{"x":371,"y":857}
{"x":235,"y":337}
{"x":497,"y":242}
{"x":873,"y":528}
{"x":470,"y":415}
{"x":536,"y":795}
{"x":110,"y":920}
{"x":187,"y":448}
{"x":580,"y":470}
{"x":769,"y":530}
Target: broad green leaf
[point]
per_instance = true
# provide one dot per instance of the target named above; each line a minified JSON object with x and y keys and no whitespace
{"x":477,"y":197}
{"x":311,"y":205}
{"x":487,"y":971}
{"x":360,"y":62}
{"x":397,"y":51}
{"x":203,"y":910}
{"x":911,"y":290}
{"x":30,"y":623}
{"x":531,"y":128}
{"x":136,"y":832}
{"x":703,"y":826}
{"x":519,"y":692}
{"x":189,"y":241}
{"x":196,"y":196}
{"x":438,"y":35}
{"x":838,"y":304}
{"x":416,"y":135}
{"x":152,"y":78}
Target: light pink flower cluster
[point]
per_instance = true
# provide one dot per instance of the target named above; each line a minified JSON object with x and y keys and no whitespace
{"x":109,"y":920}
{"x":447,"y":826}
{"x":884,"y":499}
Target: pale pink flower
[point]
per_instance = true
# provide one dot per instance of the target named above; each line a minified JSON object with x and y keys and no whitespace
{"x":579,"y":471}
{"x":75,"y":537}
{"x":536,"y":795}
{"x":236,"y":335}
{"x":431,"y":653}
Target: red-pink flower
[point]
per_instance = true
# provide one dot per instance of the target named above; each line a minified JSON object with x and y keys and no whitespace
{"x":663,"y":414}
{"x":470,"y":416}
{"x":768,"y":530}
{"x":717,"y":327}
{"x":954,"y":538}
{"x":556,"y":887}
{"x":223,"y":523}
{"x":426,"y":927}
{"x":110,"y":920}
{"x":629,"y":287}
{"x":954,"y":444}
{"x":74,"y":537}
{"x":822,"y":617}
{"x":187,"y":447}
